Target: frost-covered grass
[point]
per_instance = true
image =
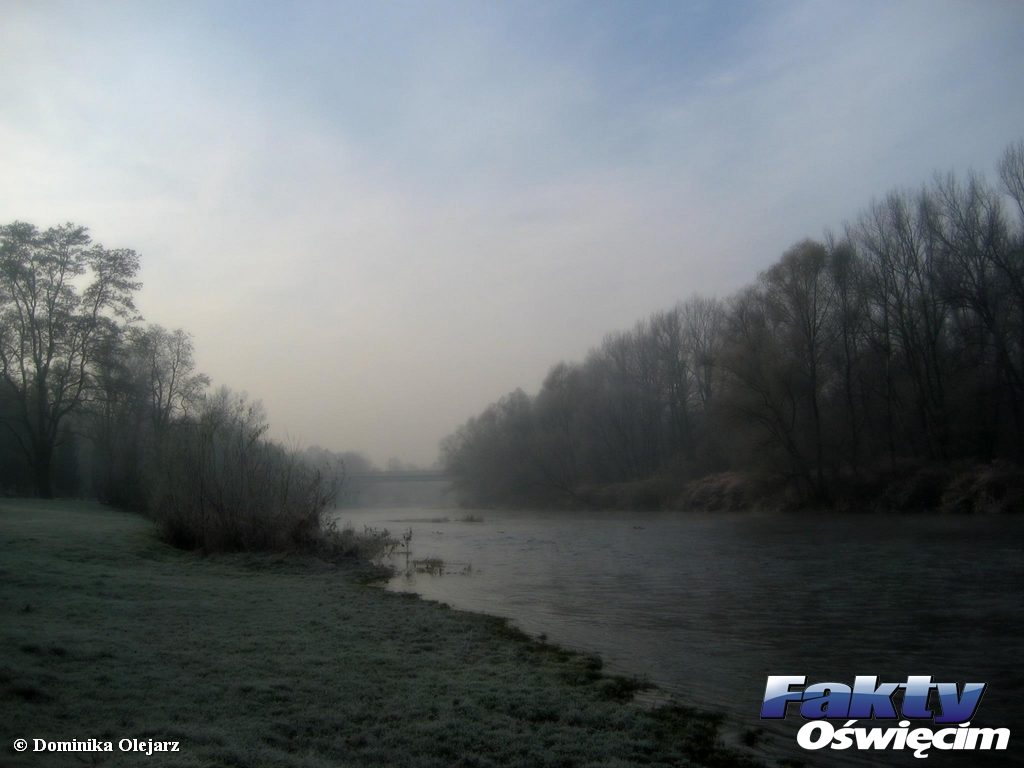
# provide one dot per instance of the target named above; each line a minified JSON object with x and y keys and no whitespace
{"x":107,"y":633}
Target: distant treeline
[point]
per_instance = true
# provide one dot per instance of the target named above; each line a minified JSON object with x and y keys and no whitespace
{"x":884,"y":364}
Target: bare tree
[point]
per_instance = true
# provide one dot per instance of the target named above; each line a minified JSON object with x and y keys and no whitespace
{"x":174,"y":388}
{"x":909,"y":309}
{"x":703,"y":325}
{"x":967,"y":223}
{"x":762,"y":391}
{"x":61,"y":296}
{"x":800,"y":298}
{"x":850,"y":329}
{"x":1011,"y":171}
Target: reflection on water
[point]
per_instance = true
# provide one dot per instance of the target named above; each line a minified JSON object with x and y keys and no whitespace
{"x":707,"y":606}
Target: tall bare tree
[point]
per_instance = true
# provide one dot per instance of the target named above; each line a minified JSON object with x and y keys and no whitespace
{"x":800,"y":298}
{"x":61,"y":296}
{"x":173,"y":386}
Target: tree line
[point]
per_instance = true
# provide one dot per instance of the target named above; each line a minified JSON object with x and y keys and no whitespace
{"x":94,"y":403}
{"x":897,"y":343}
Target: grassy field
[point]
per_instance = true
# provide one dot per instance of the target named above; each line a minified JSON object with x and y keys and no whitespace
{"x":107,"y":633}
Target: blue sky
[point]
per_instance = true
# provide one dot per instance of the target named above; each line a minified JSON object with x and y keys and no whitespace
{"x":378,"y":217}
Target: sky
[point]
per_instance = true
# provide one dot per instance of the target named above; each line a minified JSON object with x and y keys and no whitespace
{"x":378,"y":217}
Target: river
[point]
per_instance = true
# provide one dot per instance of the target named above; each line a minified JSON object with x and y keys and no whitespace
{"x":706,"y":606}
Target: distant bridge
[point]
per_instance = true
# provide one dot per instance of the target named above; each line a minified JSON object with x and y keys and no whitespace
{"x":402,"y":476}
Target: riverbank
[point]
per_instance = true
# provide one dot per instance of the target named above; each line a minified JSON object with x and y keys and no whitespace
{"x":964,"y":487}
{"x":109,"y":634}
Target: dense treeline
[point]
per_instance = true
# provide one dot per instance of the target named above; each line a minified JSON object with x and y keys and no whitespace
{"x":892,"y":351}
{"x":93,"y":403}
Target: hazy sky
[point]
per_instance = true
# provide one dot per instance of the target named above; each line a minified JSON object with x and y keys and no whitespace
{"x":378,"y":217}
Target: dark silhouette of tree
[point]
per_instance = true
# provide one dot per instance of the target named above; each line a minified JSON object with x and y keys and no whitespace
{"x":144,"y":381}
{"x":800,"y":298}
{"x":901,"y":341}
{"x":61,"y":298}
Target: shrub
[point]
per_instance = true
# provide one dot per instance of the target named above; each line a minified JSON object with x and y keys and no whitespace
{"x":220,"y":485}
{"x":373,"y":545}
{"x":733,"y":491}
{"x":986,"y":488}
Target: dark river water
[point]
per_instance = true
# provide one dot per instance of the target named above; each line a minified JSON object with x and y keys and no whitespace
{"x":707,"y":606}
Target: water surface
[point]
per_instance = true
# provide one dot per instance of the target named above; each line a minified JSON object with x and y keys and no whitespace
{"x":707,"y":606}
